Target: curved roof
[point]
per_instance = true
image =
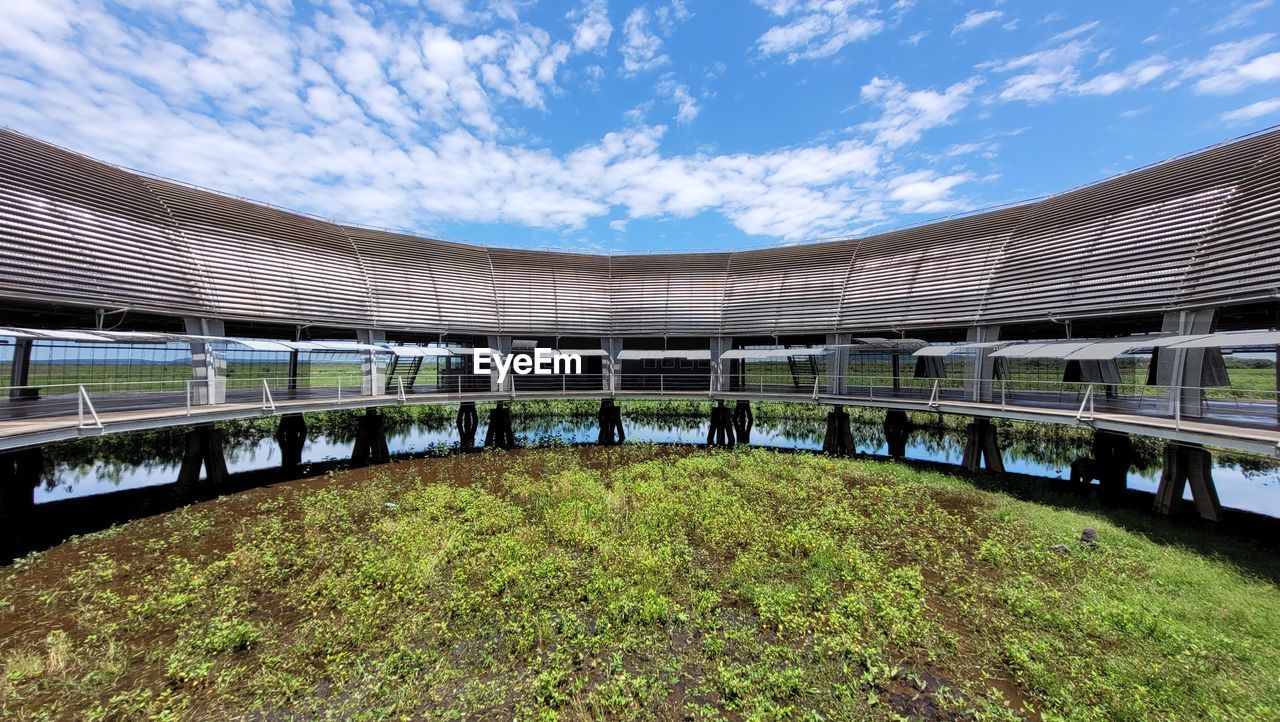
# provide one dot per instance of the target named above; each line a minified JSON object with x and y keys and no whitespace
{"x":1197,"y":230}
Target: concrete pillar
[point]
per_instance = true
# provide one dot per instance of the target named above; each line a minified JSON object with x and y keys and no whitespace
{"x":468,"y":420}
{"x":371,"y":440}
{"x":20,"y":473}
{"x":1112,"y":456}
{"x":838,"y":363}
{"x":610,"y":418}
{"x":897,"y":432}
{"x":743,"y":420}
{"x":838,"y":439}
{"x":982,"y":448}
{"x":501,"y":344}
{"x":720,"y":430}
{"x":20,"y":370}
{"x":979,"y":368}
{"x":500,"y":434}
{"x":1185,"y":463}
{"x":1185,"y":369}
{"x":208,"y":369}
{"x":291,"y":435}
{"x":371,"y":382}
{"x":719,"y":367}
{"x":204,"y":449}
{"x":610,"y":366}
{"x":1275,"y":326}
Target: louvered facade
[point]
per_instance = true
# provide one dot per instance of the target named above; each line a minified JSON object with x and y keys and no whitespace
{"x":1196,"y":231}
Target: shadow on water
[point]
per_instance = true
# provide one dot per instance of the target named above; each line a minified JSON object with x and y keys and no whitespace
{"x":93,"y":483}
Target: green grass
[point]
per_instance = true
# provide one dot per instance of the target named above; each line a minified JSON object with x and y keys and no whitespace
{"x":634,"y":583}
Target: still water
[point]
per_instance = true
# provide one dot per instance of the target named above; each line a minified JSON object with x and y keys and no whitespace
{"x":117,"y":463}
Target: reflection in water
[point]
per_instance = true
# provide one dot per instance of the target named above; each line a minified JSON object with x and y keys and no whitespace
{"x":140,"y":460}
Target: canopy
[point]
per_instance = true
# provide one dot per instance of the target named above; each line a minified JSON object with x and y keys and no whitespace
{"x":257,"y":345}
{"x":763,"y":353}
{"x":702,"y":354}
{"x":419,"y":351}
{"x":943,"y":350}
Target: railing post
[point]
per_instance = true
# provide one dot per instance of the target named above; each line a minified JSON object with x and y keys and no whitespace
{"x":400,"y":383}
{"x":1177,"y":407}
{"x":1087,"y":401}
{"x":268,"y":403}
{"x":933,"y":397}
{"x":188,"y":397}
{"x":1004,"y":389}
{"x":84,"y":403}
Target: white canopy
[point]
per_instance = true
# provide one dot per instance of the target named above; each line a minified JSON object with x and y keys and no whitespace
{"x":419,"y":351}
{"x":256,"y":345}
{"x":764,"y":353}
{"x":1104,"y":350}
{"x":703,"y":354}
{"x":948,"y":349}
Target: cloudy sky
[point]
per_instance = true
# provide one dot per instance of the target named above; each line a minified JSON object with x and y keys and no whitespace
{"x":610,"y":125}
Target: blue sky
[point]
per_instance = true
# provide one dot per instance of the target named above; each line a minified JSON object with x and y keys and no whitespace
{"x":668,"y":124}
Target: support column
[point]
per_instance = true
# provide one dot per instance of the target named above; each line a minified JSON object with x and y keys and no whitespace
{"x":610,"y":418}
{"x":208,"y":370}
{"x":982,"y":448}
{"x":720,"y":431}
{"x":1275,"y":326}
{"x":838,"y":363}
{"x":897,"y":432}
{"x":1188,"y":370}
{"x":610,"y":366}
{"x":20,"y":473}
{"x":1185,"y":463}
{"x":371,"y":384}
{"x":838,"y":438}
{"x":1112,"y":456}
{"x":979,"y":369}
{"x":291,"y":435}
{"x":500,"y":434}
{"x":20,"y":370}
{"x":468,"y":421}
{"x":719,"y":374}
{"x":743,"y":420}
{"x":204,"y":449}
{"x":371,"y":440}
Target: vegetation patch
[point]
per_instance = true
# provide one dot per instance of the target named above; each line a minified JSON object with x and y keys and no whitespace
{"x":637,"y":582}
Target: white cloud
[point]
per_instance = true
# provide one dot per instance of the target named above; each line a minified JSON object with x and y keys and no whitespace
{"x":927,"y":192}
{"x":1132,"y":76}
{"x":818,"y":28}
{"x":975,"y":19}
{"x":1066,"y":35}
{"x":1040,"y":75}
{"x":1241,"y":16}
{"x":1252,"y":111}
{"x":915,"y":38}
{"x":907,"y":114}
{"x":1230,"y":67}
{"x":687,"y":108}
{"x":593,"y":30}
{"x":641,"y":48}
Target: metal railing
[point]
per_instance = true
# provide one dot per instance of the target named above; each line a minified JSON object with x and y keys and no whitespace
{"x":94,"y":405}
